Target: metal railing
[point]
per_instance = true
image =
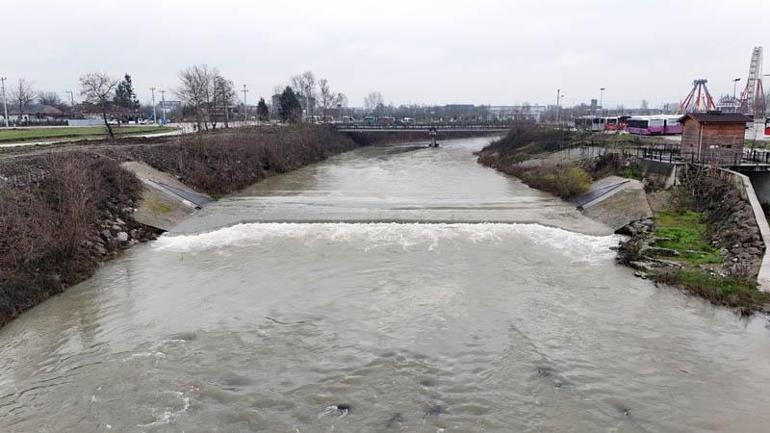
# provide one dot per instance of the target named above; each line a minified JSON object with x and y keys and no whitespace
{"x":425,"y":127}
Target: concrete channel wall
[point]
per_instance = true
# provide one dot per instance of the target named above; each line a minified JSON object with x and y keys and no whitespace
{"x":746,"y":189}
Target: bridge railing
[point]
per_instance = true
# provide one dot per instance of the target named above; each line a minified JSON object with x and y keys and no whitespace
{"x":423,"y":127}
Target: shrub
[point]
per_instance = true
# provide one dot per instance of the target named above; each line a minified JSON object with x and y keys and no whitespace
{"x":564,"y":181}
{"x":46,"y":224}
{"x":223,"y":162}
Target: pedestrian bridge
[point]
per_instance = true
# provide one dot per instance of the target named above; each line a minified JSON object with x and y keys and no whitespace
{"x":428,"y":127}
{"x":431,"y":129}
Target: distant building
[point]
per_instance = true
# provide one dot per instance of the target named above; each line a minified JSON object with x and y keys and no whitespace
{"x":34,"y":114}
{"x":713,"y":137}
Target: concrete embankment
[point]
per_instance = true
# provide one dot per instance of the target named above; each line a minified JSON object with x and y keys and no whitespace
{"x":615,"y":201}
{"x":165,"y":200}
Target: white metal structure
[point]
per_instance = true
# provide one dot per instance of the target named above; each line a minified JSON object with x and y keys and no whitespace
{"x":753,"y":96}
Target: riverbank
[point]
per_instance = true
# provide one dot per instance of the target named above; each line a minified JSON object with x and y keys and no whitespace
{"x":700,"y":235}
{"x":67,"y":210}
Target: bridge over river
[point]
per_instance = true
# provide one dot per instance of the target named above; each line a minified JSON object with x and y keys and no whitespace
{"x":431,"y":129}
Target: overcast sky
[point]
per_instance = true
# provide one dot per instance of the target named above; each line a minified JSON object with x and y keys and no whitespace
{"x":499,"y":52}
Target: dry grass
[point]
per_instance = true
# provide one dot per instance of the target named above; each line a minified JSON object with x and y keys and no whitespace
{"x":46,"y":224}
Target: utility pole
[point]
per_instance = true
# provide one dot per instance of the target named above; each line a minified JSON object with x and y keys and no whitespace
{"x":245,"y":116}
{"x":558,"y":109}
{"x":5,"y":102}
{"x":163,"y":104}
{"x":154,"y":112}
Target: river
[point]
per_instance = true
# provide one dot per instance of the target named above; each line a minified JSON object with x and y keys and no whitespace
{"x":386,"y":289}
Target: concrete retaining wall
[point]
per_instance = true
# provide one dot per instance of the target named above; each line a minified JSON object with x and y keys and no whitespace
{"x":615,"y":201}
{"x":746,"y":189}
{"x":165,"y":200}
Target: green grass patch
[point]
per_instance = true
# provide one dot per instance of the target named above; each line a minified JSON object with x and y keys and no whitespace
{"x":26,"y":134}
{"x":686,"y":233}
{"x":718,"y":290}
{"x":630,"y":173}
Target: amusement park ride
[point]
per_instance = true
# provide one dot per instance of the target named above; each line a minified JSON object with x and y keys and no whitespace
{"x":699,"y":99}
{"x":751,"y":102}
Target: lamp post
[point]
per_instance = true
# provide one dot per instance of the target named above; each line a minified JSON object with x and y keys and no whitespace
{"x":154,"y":111}
{"x":163,"y":104}
{"x":735,"y":86}
{"x":5,"y":102}
{"x":558,"y":110}
{"x":245,"y":117}
{"x":72,"y":101}
{"x":601,"y":99}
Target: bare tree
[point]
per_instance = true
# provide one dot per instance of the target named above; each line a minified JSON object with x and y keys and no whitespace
{"x":197,"y":91}
{"x":341,"y":101}
{"x":304,"y":84}
{"x":327,"y":97}
{"x":373,"y":101}
{"x":22,"y":96}
{"x":224,"y":96}
{"x":99,"y":89}
{"x":49,"y":98}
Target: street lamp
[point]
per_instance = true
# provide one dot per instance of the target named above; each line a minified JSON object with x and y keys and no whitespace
{"x":735,"y":86}
{"x":5,"y":102}
{"x":245,"y":116}
{"x":559,"y":97}
{"x":163,"y":104}
{"x":154,"y":111}
{"x":601,"y":99}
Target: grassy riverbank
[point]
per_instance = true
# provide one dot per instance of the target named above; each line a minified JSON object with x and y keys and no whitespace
{"x":680,"y":252}
{"x":703,"y":237}
{"x":29,"y":134}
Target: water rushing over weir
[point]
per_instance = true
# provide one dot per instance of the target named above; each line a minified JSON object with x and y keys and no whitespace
{"x":385,"y":290}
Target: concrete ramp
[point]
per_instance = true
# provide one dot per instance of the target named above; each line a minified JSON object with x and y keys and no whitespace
{"x":615,"y":201}
{"x":165,"y":200}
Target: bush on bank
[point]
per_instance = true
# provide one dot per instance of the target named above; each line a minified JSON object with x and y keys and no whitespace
{"x":227,"y":161}
{"x":63,"y":213}
{"x":563,"y":180}
{"x":52,"y":216}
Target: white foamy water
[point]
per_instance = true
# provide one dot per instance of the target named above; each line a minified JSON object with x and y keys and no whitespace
{"x":380,"y":235}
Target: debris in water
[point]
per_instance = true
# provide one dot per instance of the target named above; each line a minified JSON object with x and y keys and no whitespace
{"x":284,"y":323}
{"x":436,"y":410}
{"x":340,"y":410}
{"x":395,"y":419}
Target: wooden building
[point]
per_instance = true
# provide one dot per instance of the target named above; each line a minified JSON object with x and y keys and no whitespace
{"x":713,"y":137}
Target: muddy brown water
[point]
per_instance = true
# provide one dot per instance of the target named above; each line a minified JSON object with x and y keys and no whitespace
{"x":389,"y":289}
